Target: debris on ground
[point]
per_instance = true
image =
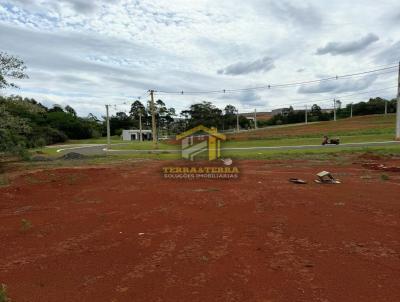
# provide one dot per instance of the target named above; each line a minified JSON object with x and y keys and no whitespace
{"x":72,"y":155}
{"x":370,"y":156}
{"x":297,"y":181}
{"x":381,"y":167}
{"x":227,"y":161}
{"x":326,"y":177}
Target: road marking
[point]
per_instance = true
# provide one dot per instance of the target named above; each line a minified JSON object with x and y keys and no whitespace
{"x":366,"y":144}
{"x":79,"y":147}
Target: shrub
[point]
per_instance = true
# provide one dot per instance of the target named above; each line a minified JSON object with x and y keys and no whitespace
{"x":3,"y":293}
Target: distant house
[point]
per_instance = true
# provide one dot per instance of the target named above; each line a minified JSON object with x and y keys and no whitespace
{"x":134,"y":135}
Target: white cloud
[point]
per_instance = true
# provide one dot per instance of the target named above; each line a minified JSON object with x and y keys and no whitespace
{"x":91,"y":53}
{"x":260,"y":65}
{"x":340,"y":85}
{"x":344,"y":48}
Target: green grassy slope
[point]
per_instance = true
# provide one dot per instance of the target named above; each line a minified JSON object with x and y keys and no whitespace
{"x":356,"y":126}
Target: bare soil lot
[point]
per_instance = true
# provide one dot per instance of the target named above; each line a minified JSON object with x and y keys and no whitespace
{"x":123,"y":233}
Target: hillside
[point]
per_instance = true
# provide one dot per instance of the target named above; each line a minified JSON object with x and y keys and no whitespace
{"x":362,"y":125}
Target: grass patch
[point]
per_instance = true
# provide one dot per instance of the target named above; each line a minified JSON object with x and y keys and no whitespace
{"x":52,"y":151}
{"x":26,"y":225}
{"x":299,"y":141}
{"x":323,"y":153}
{"x":356,"y":126}
{"x":4,"y":181}
{"x":100,"y":140}
{"x":3,"y":294}
{"x":147,"y":145}
{"x":385,"y":177}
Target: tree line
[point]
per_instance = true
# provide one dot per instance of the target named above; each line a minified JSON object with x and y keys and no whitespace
{"x":168,"y":122}
{"x":26,"y":123}
{"x":316,"y":113}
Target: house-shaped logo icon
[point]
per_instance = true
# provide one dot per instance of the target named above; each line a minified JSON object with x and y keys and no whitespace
{"x":200,"y":139}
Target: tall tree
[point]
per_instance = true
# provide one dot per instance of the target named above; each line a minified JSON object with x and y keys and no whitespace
{"x":229,"y":120}
{"x":137,"y":110}
{"x":11,"y":68}
{"x":70,"y":110}
{"x":56,"y":108}
{"x":230,"y":110}
{"x":315,"y":110}
{"x":205,"y":114}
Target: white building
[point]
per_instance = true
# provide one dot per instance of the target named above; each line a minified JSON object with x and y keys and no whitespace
{"x":134,"y":135}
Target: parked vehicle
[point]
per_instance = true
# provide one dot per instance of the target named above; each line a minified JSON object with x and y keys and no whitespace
{"x":330,"y":141}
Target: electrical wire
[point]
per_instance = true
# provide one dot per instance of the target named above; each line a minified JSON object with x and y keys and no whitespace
{"x":292,"y":84}
{"x":338,"y":97}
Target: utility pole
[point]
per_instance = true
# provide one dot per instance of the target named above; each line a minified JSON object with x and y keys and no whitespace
{"x":398,"y":108}
{"x":385,"y":107}
{"x":108,"y":127}
{"x":334,"y":109}
{"x":306,"y":115}
{"x":351,"y":110}
{"x":140,"y":126}
{"x":153,"y":120}
{"x":237,"y":120}
{"x":255,"y":118}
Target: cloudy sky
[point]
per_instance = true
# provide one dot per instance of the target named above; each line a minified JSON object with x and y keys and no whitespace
{"x":90,"y":53}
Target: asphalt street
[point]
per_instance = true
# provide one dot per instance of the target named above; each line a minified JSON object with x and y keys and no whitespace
{"x":101,"y":149}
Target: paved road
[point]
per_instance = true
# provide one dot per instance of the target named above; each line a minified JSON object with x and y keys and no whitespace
{"x":100,"y":149}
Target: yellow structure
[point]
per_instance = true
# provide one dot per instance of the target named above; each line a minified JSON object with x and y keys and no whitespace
{"x":190,"y":150}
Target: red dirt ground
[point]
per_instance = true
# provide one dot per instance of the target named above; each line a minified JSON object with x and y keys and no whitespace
{"x":123,"y":233}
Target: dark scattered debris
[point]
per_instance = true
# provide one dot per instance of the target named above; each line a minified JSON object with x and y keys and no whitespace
{"x":72,"y":156}
{"x":297,"y":181}
{"x":381,"y":167}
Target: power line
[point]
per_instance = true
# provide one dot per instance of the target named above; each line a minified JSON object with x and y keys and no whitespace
{"x":292,"y":84}
{"x":340,"y":96}
{"x":127,"y":103}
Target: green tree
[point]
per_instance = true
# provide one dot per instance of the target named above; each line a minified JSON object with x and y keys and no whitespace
{"x":13,"y":129}
{"x":205,"y":114}
{"x":315,"y":110}
{"x":229,"y":120}
{"x":70,"y":110}
{"x":137,"y":110}
{"x":230,"y":110}
{"x":164,"y":116}
{"x":56,"y":108}
{"x":13,"y":133}
{"x":119,"y":122}
{"x":11,"y":68}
